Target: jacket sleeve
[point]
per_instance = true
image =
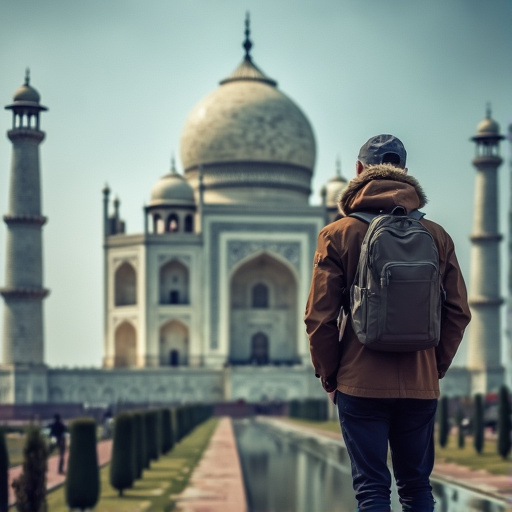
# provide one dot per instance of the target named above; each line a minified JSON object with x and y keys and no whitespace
{"x":323,"y":307}
{"x":456,"y":314}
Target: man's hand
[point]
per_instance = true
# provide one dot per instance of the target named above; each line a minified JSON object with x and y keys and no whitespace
{"x":330,"y":383}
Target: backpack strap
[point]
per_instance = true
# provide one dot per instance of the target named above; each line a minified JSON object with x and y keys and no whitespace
{"x":368,"y":217}
{"x":364,"y":216}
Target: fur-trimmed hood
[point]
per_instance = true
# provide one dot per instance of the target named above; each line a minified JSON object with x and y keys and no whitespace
{"x":382,"y":187}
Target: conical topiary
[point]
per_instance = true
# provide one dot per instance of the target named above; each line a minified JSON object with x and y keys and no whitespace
{"x":152,"y":435}
{"x":121,"y":466}
{"x":82,"y":482}
{"x":478,"y":424}
{"x":30,"y":486}
{"x":167,"y":434}
{"x":4,"y":473}
{"x":140,"y":443}
{"x":504,"y":424}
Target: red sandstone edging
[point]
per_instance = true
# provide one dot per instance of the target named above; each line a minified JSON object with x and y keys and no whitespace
{"x":216,"y":484}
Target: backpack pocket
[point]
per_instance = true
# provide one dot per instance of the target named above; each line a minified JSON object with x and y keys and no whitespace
{"x":406,"y":314}
{"x":359,"y":307}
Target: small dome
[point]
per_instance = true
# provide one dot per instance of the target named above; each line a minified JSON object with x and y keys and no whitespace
{"x":334,"y":187}
{"x":172,"y":189}
{"x":488,"y":126}
{"x":26,"y":92}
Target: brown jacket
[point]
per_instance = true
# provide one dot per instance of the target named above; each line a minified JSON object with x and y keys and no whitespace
{"x":360,"y":371}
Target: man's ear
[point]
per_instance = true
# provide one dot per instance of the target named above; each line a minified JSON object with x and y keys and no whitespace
{"x":359,"y":167}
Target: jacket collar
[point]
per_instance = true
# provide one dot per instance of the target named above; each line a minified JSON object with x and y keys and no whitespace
{"x":408,"y":188}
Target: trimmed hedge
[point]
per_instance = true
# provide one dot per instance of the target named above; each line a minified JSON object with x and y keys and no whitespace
{"x":309,"y":409}
{"x":122,"y":466}
{"x":140,"y":443}
{"x":443,"y":421}
{"x":4,"y":473}
{"x":478,"y":423}
{"x":82,"y":482}
{"x":30,"y":486}
{"x":504,"y":423}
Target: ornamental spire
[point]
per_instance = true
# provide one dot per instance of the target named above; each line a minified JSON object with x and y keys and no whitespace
{"x":247,"y":43}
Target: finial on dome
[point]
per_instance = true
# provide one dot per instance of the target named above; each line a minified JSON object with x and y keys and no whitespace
{"x":338,"y":166}
{"x":173,"y":164}
{"x":247,"y":43}
{"x":488,"y":110}
{"x":27,"y":76}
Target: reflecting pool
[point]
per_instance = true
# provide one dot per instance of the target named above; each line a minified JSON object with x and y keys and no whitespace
{"x":290,"y":471}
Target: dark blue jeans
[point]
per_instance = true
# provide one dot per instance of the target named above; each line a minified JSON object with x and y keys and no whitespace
{"x":368,"y":425}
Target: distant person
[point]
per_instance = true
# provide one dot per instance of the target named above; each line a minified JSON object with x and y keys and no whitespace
{"x":58,"y":431}
{"x":383,"y":397}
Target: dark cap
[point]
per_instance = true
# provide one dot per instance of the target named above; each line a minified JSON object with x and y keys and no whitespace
{"x":383,"y":149}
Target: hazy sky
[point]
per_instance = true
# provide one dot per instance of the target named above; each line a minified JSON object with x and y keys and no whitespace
{"x":120,"y":76}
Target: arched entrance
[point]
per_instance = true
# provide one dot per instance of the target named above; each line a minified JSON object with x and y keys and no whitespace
{"x":125,"y":285}
{"x":174,"y":344}
{"x":263,"y":313}
{"x":125,"y":346}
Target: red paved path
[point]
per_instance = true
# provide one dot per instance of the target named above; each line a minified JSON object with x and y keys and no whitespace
{"x":216,"y":484}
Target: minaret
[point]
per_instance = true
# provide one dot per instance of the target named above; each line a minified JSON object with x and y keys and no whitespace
{"x":484,"y":355}
{"x":508,"y":356}
{"x":23,"y":293}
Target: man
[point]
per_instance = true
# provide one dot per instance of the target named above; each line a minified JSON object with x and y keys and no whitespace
{"x":382,"y":397}
{"x":58,"y":431}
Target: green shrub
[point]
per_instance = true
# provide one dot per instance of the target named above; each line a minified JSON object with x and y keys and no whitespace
{"x":4,"y":473}
{"x":147,"y":434}
{"x":30,"y":486}
{"x":123,"y":453}
{"x":478,"y":423}
{"x":82,"y":482}
{"x":461,"y":439}
{"x":504,"y":423}
{"x":443,"y":421}
{"x":152,"y":435}
{"x":167,"y":434}
{"x":140,"y":443}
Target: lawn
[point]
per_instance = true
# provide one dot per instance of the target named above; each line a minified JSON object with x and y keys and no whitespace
{"x":154,"y":492}
{"x":488,"y":460}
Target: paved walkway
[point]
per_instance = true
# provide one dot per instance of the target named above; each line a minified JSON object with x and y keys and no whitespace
{"x":216,"y":484}
{"x":53,"y":479}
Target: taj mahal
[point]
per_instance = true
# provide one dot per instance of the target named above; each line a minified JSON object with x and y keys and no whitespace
{"x":206,"y":304}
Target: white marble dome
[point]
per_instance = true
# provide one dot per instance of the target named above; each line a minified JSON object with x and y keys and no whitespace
{"x":172,"y":189}
{"x":247,"y":120}
{"x":333,"y":190}
{"x":250,"y":142}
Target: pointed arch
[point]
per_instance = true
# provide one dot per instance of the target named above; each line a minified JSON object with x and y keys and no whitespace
{"x":173,"y":223}
{"x":189,"y":223}
{"x":174,"y":344}
{"x":158,"y":224}
{"x":174,"y":283}
{"x":263,"y":312}
{"x":125,"y":285}
{"x":125,"y":346}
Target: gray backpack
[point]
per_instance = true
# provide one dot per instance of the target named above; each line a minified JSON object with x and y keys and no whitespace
{"x":396,"y":297}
